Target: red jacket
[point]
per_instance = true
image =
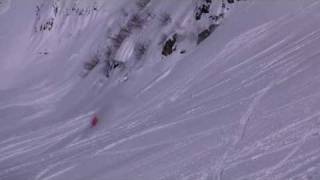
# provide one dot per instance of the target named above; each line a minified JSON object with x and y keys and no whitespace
{"x":94,"y":121}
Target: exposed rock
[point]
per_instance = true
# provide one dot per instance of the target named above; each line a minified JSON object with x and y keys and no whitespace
{"x":206,"y":33}
{"x":203,"y":8}
{"x":169,"y":46}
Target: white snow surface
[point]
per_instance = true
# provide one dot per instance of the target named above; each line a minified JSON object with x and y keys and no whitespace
{"x":244,"y":104}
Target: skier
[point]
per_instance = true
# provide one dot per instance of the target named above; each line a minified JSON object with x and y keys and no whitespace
{"x":94,"y":121}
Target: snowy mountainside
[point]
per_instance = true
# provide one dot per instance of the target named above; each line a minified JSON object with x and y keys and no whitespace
{"x":190,"y":90}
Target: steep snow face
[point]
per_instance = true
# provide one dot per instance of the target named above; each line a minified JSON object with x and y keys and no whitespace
{"x":190,"y":90}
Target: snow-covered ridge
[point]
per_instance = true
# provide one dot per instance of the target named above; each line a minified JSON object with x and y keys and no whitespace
{"x":130,"y":30}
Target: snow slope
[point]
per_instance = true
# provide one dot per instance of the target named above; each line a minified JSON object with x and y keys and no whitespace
{"x":243,"y":104}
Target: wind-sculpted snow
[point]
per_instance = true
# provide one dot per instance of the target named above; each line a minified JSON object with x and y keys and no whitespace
{"x":243,"y":104}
